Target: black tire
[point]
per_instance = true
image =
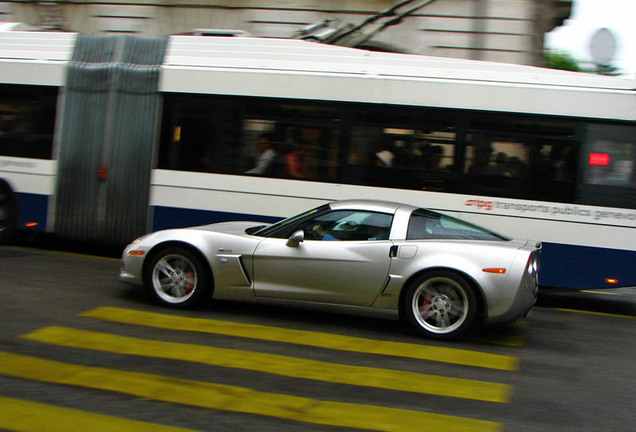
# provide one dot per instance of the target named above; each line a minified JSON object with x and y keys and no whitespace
{"x":9,"y":212}
{"x":177,"y":278}
{"x":440,"y":305}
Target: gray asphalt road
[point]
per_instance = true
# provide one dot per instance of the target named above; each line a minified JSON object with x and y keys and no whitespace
{"x":79,"y":348}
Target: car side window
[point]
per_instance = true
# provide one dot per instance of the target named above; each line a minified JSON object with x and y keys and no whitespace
{"x":426,"y":224}
{"x":348,"y":225}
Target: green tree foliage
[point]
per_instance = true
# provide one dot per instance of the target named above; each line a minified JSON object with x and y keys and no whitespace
{"x":560,"y":60}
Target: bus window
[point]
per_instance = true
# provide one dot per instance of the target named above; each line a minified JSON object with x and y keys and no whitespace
{"x":199,"y":134}
{"x":521,"y":158}
{"x":609,"y":167}
{"x":611,"y":156}
{"x":433,"y":162}
{"x":398,"y":149}
{"x":304,"y":139}
{"x":231,"y":135}
{"x":277,"y":149}
{"x":377,"y":156}
{"x":27,"y":121}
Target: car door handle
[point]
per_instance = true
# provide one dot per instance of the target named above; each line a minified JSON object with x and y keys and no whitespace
{"x":393,"y":252}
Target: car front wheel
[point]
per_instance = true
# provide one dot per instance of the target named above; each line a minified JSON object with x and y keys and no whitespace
{"x":440,"y":305}
{"x":176,"y":278}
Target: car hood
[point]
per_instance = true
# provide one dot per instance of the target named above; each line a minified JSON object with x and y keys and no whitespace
{"x":238,"y":227}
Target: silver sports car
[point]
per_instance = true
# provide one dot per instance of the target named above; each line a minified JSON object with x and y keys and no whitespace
{"x":438,"y":273}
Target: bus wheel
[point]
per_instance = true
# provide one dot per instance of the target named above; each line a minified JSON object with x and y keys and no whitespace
{"x":8,"y":212}
{"x":440,"y":305}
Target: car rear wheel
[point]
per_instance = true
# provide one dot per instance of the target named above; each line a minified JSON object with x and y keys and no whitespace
{"x":440,"y":305}
{"x":176,"y":278}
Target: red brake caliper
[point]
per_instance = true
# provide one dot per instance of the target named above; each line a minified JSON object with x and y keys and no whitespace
{"x":426,"y":302}
{"x":188,"y":285}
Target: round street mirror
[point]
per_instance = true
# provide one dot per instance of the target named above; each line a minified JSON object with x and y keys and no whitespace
{"x":603,"y":46}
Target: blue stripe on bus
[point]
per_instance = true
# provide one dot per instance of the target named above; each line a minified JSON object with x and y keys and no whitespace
{"x":583,"y":267}
{"x":33,"y":211}
{"x":170,"y":217}
{"x":561,"y":265}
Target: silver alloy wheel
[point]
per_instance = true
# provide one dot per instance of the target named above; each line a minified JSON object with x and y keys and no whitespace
{"x":174,"y":278}
{"x":440,"y":305}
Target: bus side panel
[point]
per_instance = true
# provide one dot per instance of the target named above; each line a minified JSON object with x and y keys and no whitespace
{"x":33,"y":211}
{"x":582,"y":267}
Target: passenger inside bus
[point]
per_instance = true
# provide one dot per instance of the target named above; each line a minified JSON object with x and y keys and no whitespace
{"x":295,"y":162}
{"x":265,"y":164}
{"x":428,"y":170}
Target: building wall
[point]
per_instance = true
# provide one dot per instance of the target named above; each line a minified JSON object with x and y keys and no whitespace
{"x":508,"y":31}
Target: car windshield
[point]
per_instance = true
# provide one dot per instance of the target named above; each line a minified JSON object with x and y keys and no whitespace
{"x":425,"y":224}
{"x":281,"y":227}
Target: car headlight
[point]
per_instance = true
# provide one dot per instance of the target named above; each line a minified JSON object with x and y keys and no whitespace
{"x":139,"y":239}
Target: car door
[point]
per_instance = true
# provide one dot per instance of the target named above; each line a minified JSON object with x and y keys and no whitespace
{"x":343,"y":258}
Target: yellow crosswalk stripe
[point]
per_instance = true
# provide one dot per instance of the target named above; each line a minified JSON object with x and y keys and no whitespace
{"x":25,"y":416}
{"x":307,"y":338}
{"x":236,"y":399}
{"x":277,"y":364}
{"x":595,"y":313}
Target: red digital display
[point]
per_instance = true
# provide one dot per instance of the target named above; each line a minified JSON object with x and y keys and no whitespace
{"x":602,"y":159}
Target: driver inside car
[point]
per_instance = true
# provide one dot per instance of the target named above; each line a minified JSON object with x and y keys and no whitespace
{"x":322,"y":233}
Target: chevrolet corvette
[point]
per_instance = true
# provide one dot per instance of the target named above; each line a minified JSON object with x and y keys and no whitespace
{"x":438,"y":273}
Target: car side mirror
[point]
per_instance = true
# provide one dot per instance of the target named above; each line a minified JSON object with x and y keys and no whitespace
{"x":296,"y":238}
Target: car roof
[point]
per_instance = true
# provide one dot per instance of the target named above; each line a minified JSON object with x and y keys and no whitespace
{"x":370,"y":205}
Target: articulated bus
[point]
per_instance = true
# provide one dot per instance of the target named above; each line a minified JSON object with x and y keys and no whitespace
{"x":106,"y":138}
